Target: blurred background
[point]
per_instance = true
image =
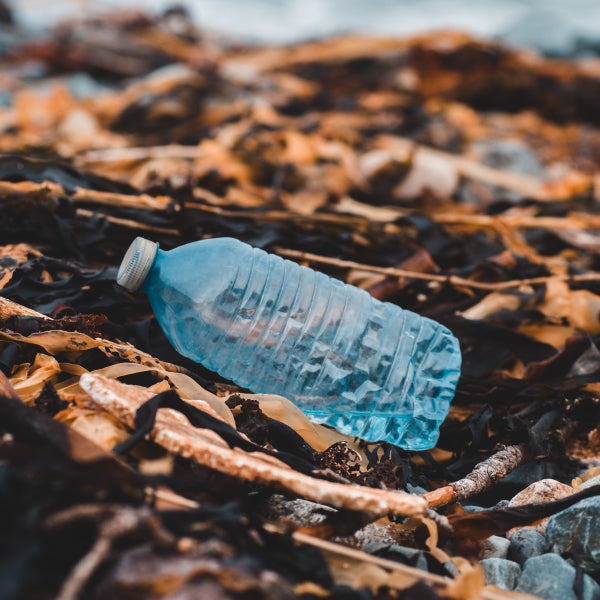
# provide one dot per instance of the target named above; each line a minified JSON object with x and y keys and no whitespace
{"x":557,"y":28}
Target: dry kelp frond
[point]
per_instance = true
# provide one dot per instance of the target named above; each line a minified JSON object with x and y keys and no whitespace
{"x":206,"y":447}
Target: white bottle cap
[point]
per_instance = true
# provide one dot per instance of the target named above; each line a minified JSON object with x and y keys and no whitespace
{"x":137,"y":263}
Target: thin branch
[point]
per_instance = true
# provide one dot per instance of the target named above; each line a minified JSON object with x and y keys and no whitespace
{"x":452,"y":279}
{"x":119,"y":521}
{"x":85,"y":568}
{"x":276,"y":216}
{"x":129,"y":223}
{"x":574,"y":220}
{"x":483,"y":476}
{"x":141,"y":153}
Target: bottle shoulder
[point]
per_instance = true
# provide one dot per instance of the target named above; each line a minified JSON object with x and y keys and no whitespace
{"x":212,"y":249}
{"x":205,"y":266}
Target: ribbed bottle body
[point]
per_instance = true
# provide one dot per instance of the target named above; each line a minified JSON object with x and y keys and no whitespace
{"x":365,"y":367}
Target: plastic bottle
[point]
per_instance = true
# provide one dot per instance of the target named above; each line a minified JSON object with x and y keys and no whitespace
{"x":368,"y":368}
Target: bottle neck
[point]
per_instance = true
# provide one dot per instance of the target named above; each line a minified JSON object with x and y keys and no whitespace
{"x":153,"y":272}
{"x":136,"y":264}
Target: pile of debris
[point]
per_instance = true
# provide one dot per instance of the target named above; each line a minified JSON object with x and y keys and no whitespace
{"x":454,"y":177}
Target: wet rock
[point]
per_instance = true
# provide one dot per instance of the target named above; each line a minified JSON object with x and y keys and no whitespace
{"x":525,"y":544}
{"x":429,"y":173}
{"x":370,"y":533}
{"x":412,"y":557}
{"x":551,"y":577}
{"x":471,"y":508}
{"x":587,"y":363}
{"x":501,"y":572}
{"x":510,"y":155}
{"x":451,"y":568}
{"x":576,"y":530}
{"x":302,"y":513}
{"x":545,"y":490}
{"x":494,"y":547}
{"x":535,"y":471}
{"x":415,"y":489}
{"x":590,"y":482}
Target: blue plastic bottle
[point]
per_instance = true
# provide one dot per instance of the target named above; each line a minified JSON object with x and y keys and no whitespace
{"x":368,"y":368}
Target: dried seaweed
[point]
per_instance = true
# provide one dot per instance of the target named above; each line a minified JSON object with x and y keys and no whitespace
{"x":452,"y":176}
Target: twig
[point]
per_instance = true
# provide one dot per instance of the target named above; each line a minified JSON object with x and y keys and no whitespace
{"x":573,"y":220}
{"x":276,"y":216}
{"x":140,"y":201}
{"x":452,"y":279}
{"x":141,"y":153}
{"x":121,"y":521}
{"x":129,"y":223}
{"x":482,"y":477}
{"x":85,"y":568}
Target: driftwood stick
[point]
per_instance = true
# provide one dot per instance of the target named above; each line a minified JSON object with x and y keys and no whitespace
{"x":139,"y":153}
{"x":115,"y":522}
{"x":129,"y":223}
{"x":452,"y":279}
{"x":482,"y":477}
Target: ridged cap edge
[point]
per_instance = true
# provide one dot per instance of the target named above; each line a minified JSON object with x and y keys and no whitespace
{"x":136,"y":263}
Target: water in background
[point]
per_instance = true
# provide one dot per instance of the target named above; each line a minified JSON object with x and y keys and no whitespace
{"x":559,"y":27}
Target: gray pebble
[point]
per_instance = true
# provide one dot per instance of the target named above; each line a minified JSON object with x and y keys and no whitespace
{"x":576,"y":530}
{"x":495,"y":547}
{"x":501,"y":572}
{"x":526,"y":543}
{"x":510,"y":155}
{"x":590,"y":482}
{"x":531,"y":472}
{"x":451,"y":568}
{"x":551,"y":577}
{"x":471,"y":508}
{"x":415,"y":489}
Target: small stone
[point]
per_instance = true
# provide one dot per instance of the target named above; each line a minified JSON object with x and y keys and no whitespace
{"x":408,"y":556}
{"x":302,"y":513}
{"x":590,"y":482}
{"x":415,"y":489}
{"x":471,"y":508}
{"x":494,"y":547}
{"x":576,"y":530}
{"x":534,"y":471}
{"x":428,"y":172}
{"x":510,"y":155}
{"x":501,"y":572}
{"x":526,"y":543}
{"x":545,"y":490}
{"x":451,"y":568}
{"x":551,"y":577}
